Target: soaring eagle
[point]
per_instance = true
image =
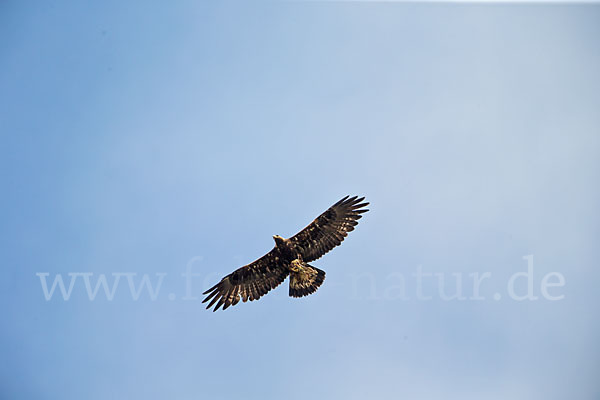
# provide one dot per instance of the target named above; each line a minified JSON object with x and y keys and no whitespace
{"x":290,"y":257}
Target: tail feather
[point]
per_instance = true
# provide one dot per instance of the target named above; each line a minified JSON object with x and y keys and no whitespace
{"x":306,"y":281}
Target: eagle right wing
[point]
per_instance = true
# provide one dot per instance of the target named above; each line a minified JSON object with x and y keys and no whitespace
{"x":248,"y":282}
{"x":330,"y":228}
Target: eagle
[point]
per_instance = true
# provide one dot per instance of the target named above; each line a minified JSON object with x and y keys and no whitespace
{"x":290,"y":257}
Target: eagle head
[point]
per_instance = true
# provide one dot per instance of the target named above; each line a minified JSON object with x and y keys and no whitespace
{"x":278,"y":240}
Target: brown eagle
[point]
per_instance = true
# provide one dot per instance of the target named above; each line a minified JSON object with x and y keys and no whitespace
{"x":290,"y":257}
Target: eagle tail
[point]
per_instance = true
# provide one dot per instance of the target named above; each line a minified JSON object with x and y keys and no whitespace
{"x":305,"y":281}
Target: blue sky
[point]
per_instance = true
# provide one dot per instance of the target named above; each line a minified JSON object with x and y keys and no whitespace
{"x":141,"y":138}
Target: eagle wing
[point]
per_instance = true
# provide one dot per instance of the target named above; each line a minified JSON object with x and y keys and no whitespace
{"x":329,"y":229}
{"x":249,"y":282}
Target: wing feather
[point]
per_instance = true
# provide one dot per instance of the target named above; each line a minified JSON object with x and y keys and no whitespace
{"x":329,"y":229}
{"x":249,"y":282}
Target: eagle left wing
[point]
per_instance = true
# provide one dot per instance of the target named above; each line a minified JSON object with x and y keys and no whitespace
{"x":329,"y":229}
{"x":251,"y":282}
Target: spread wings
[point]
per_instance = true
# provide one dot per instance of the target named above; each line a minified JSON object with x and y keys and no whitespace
{"x":249,"y":282}
{"x":329,"y":229}
{"x":252,"y":281}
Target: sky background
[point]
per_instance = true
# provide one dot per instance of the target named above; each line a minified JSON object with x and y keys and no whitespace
{"x":143,"y":137}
